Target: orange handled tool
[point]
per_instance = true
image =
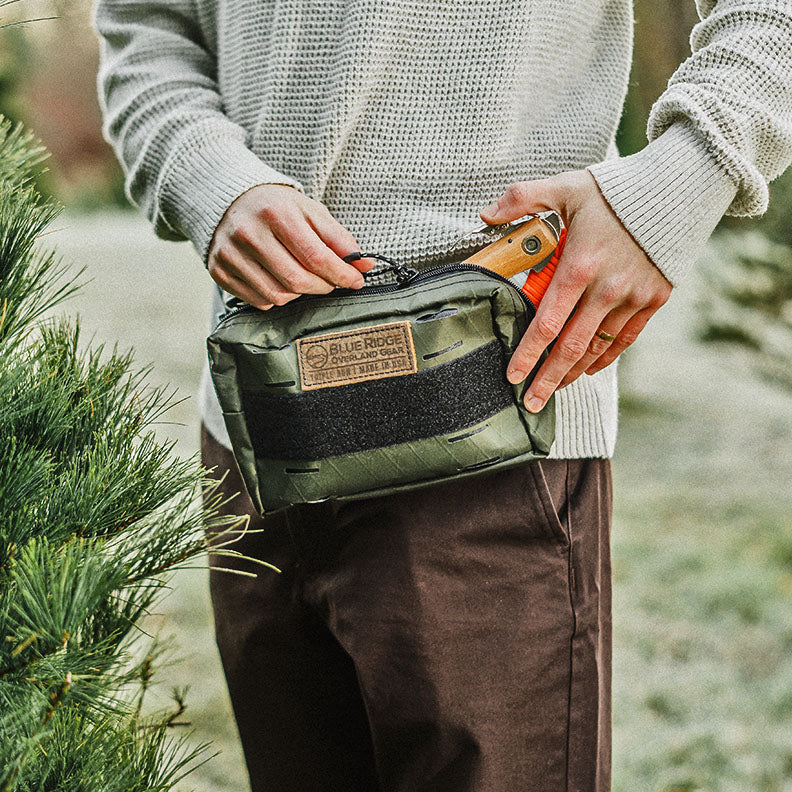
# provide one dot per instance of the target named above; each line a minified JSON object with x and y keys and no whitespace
{"x":530,"y":248}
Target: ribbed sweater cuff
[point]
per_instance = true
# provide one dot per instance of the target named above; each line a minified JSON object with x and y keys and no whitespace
{"x":669,"y":196}
{"x":206,"y":175}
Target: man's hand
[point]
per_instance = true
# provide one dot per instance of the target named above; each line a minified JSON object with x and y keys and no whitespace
{"x":274,"y":243}
{"x":602,"y":272}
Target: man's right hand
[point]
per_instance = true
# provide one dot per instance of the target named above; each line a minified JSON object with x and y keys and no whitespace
{"x":274,"y":243}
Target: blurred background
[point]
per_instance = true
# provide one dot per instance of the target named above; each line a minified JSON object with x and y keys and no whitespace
{"x":702,"y":540}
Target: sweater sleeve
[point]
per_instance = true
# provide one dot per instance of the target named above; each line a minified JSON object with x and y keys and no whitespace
{"x":184,"y":160}
{"x":718,"y":135}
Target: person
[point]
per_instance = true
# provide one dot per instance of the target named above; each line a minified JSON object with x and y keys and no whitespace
{"x":455,"y":637}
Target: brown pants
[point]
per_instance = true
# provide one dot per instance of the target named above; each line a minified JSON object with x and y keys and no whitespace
{"x":452,"y":639}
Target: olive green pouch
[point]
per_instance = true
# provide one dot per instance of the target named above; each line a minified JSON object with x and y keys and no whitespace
{"x":365,"y":392}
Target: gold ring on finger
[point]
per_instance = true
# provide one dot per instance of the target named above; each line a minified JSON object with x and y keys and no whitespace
{"x":605,"y":336}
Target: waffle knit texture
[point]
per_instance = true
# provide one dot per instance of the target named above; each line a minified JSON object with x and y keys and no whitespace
{"x":407,"y":117}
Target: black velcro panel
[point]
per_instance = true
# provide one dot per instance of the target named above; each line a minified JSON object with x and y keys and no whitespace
{"x":324,"y":423}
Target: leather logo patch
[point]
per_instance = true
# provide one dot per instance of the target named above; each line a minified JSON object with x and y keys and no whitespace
{"x":368,"y":353}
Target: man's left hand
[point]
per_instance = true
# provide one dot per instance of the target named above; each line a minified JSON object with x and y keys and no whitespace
{"x":603,"y":274}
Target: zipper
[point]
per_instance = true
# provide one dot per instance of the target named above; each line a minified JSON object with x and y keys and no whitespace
{"x":413,"y":276}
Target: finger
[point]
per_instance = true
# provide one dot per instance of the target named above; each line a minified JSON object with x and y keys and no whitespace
{"x":238,"y":288}
{"x":612,"y":324}
{"x":570,"y":347}
{"x":299,"y":238}
{"x":264,"y":250}
{"x":626,"y":337}
{"x":565,"y":289}
{"x":232,"y":266}
{"x":250,"y":296}
{"x":339,"y":239}
{"x":522,"y":198}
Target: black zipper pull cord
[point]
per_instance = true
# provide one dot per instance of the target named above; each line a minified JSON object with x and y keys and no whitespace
{"x":402,"y":272}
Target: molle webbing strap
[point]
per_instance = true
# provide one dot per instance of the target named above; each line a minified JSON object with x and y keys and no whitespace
{"x":319,"y":424}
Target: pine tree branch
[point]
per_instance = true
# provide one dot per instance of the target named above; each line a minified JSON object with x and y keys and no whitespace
{"x":94,"y":513}
{"x":55,"y":700}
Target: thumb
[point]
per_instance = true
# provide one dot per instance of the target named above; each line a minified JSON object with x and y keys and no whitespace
{"x":522,"y":198}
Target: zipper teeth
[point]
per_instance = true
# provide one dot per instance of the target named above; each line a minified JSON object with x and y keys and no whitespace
{"x":392,"y":287}
{"x":474,"y":268}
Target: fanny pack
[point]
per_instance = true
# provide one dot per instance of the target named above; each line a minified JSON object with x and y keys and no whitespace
{"x":359,"y":393}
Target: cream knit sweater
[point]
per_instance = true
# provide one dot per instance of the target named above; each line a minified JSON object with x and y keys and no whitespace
{"x":406,"y":117}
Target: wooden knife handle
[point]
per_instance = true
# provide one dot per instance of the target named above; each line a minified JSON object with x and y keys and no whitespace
{"x":529,"y":244}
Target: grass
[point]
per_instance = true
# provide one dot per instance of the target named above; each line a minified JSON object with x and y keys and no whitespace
{"x":702,"y":536}
{"x":702,"y":548}
{"x":703,"y":678}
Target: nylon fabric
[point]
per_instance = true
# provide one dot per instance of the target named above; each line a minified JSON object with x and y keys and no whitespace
{"x":456,"y":416}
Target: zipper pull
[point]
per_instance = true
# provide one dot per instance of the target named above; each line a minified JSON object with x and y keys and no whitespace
{"x":402,"y":272}
{"x":405,"y":274}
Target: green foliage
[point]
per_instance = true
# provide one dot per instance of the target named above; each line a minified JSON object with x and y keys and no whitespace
{"x":117,"y":756}
{"x":13,"y":54}
{"x":94,"y":511}
{"x":748,"y":301}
